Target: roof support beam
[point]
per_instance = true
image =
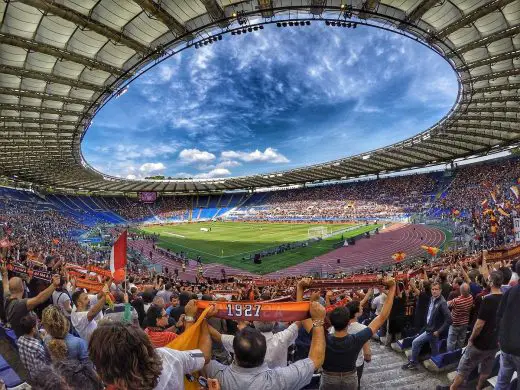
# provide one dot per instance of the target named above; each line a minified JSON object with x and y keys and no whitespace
{"x":390,"y":160}
{"x":511,"y":55}
{"x":440,"y":142}
{"x":408,"y":153}
{"x":44,"y":48}
{"x":54,"y":8}
{"x":477,"y":134}
{"x":51,"y":78}
{"x":42,"y":110}
{"x":42,"y":121}
{"x":488,"y":118}
{"x":509,"y":32}
{"x":266,"y":7}
{"x":491,"y":99}
{"x":491,"y":110}
{"x":459,"y":138}
{"x":371,"y":166}
{"x":418,"y":12}
{"x":155,"y":9}
{"x":317,"y":7}
{"x":215,"y":12}
{"x":494,"y":75}
{"x":473,"y":16}
{"x":37,"y":129}
{"x":480,"y":126}
{"x":497,"y":88}
{"x":43,"y":96}
{"x":437,"y":152}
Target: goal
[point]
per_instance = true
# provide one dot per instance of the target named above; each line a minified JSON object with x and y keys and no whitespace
{"x":317,"y":231}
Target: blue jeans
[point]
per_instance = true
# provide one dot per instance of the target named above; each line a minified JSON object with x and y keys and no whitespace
{"x":456,"y":337}
{"x":508,"y":365}
{"x":419,"y":341}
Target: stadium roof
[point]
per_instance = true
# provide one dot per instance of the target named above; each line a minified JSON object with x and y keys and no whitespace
{"x":62,"y":60}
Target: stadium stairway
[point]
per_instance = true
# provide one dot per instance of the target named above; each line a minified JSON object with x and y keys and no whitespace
{"x":385,"y":372}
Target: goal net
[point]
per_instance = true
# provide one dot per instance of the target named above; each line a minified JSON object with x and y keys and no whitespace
{"x":317,"y":232}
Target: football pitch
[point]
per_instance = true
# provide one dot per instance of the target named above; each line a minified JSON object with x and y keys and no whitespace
{"x":233,"y":243}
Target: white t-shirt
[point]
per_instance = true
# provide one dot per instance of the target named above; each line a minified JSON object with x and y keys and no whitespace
{"x":83,"y":326}
{"x":175,"y":365}
{"x":277,"y":345}
{"x":354,"y":328}
{"x":378,"y":303}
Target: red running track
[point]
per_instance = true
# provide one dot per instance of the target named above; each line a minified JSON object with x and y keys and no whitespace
{"x":374,"y":251}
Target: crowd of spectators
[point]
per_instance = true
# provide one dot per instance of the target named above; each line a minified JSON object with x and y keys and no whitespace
{"x":470,"y":303}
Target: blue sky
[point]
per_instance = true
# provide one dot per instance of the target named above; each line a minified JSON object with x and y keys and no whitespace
{"x":271,"y":100}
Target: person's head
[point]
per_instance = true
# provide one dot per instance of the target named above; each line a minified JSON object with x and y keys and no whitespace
{"x":355,"y":309}
{"x":159,"y":302}
{"x":48,"y":378}
{"x":436,"y":290}
{"x":79,"y":375}
{"x":57,"y":325}
{"x":206,"y":297}
{"x":119,"y":297}
{"x":427,"y":287}
{"x":134,"y":364}
{"x":184,"y":298}
{"x":464,"y":289}
{"x":80,"y":300}
{"x":174,"y":299}
{"x":457,"y":282}
{"x":168,"y":286}
{"x":506,"y":273}
{"x":339,"y":318}
{"x":16,"y":286}
{"x":28,"y":324}
{"x":249,"y":346}
{"x":156,"y":317}
{"x":264,"y":326}
{"x":496,"y":278}
{"x":443,"y":276}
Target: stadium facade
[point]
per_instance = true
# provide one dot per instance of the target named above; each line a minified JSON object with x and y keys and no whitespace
{"x":61,"y":61}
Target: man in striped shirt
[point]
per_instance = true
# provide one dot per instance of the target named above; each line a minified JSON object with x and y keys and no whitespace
{"x":460,"y":310}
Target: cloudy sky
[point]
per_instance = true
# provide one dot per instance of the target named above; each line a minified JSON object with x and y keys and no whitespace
{"x":271,"y":100}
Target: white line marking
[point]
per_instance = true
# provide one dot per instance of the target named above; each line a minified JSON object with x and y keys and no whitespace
{"x":175,"y":235}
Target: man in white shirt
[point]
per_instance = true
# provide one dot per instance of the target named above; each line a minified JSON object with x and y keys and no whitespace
{"x":378,"y":302}
{"x":85,"y":316}
{"x":277,"y":343}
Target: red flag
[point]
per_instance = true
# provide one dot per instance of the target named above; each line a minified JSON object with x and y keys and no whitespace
{"x":118,"y":254}
{"x":399,"y":256}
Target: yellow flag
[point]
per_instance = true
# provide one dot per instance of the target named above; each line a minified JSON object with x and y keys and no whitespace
{"x":190,"y":340}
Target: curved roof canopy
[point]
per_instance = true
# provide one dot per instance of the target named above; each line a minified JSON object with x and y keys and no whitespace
{"x":61,"y":60}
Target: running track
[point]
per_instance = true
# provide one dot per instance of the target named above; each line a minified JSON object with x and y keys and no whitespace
{"x":374,"y":251}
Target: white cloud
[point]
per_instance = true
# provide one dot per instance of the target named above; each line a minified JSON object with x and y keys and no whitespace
{"x":214,"y":173}
{"x":165,"y":73}
{"x":131,"y":177}
{"x":152,"y":167}
{"x":268,"y":155}
{"x":190,"y":156}
{"x":228,"y":164}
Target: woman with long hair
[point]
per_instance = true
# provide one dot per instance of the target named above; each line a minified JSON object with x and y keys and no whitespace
{"x":60,"y":343}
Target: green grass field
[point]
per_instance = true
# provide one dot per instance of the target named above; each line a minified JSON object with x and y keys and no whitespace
{"x":230,"y":243}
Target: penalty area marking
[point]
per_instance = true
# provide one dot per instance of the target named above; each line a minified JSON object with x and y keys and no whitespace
{"x":174,"y":234}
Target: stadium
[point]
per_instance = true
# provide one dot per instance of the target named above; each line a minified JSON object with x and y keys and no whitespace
{"x":358,"y":260}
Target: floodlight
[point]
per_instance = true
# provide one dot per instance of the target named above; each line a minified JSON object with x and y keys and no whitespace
{"x":291,"y":24}
{"x":250,"y":29}
{"x":278,"y":24}
{"x":261,"y":27}
{"x":244,"y":31}
{"x":233,"y":33}
{"x":284,"y":24}
{"x":255,"y":28}
{"x":308,"y":22}
{"x":302,"y":23}
{"x":327,"y":23}
{"x":354,"y":25}
{"x":220,"y":37}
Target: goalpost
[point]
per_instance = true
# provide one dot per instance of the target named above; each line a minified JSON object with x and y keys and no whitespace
{"x":317,"y":231}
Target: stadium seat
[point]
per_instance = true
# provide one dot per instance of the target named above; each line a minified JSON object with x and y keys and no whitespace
{"x":442,"y":361}
{"x":405,"y":343}
{"x":10,"y":378}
